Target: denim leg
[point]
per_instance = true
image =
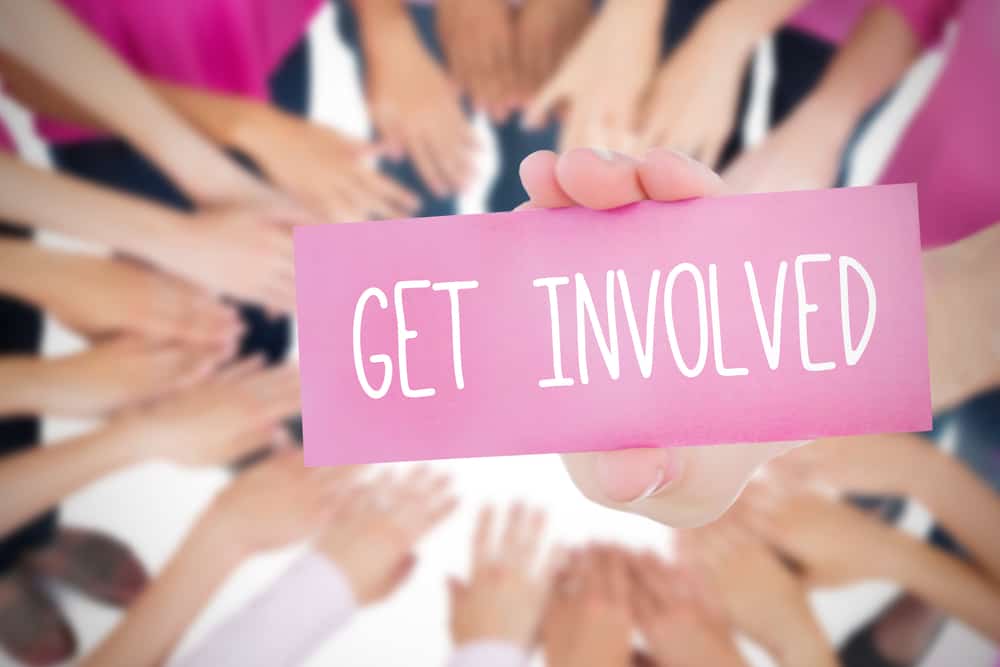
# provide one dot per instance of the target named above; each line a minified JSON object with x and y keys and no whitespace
{"x":514,"y":143}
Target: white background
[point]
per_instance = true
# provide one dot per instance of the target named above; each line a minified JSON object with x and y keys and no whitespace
{"x":152,"y":506}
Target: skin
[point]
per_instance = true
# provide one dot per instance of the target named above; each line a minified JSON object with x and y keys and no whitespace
{"x":273,"y":505}
{"x":114,"y":98}
{"x":885,"y":465}
{"x":505,"y":595}
{"x":545,"y":31}
{"x":220,"y":420}
{"x":680,"y":487}
{"x":680,"y":615}
{"x":757,"y":593}
{"x":226,"y":250}
{"x":414,"y":106}
{"x":693,"y":99}
{"x":603,"y":115}
{"x":99,"y":297}
{"x":835,"y":544}
{"x":103,"y":379}
{"x":804,"y":151}
{"x":589,"y":620}
{"x":374,"y":529}
{"x":329,"y":173}
{"x":478,"y":40}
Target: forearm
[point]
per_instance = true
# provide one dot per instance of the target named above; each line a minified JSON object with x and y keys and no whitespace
{"x":21,"y":261}
{"x":949,"y":584}
{"x":110,"y":94}
{"x":751,"y":20}
{"x":875,"y":56}
{"x":21,"y":379}
{"x":313,"y":590}
{"x":964,"y":505}
{"x":65,"y":205}
{"x":35,"y":480}
{"x":157,"y":620}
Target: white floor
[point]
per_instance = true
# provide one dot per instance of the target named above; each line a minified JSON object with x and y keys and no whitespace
{"x":152,"y":506}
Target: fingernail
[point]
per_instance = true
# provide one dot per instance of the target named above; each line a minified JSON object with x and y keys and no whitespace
{"x":605,"y":154}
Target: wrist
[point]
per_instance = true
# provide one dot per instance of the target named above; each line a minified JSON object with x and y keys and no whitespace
{"x":740,"y":24}
{"x":804,"y":645}
{"x":22,"y":382}
{"x":212,"y":535}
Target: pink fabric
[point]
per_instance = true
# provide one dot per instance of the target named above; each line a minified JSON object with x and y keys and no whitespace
{"x":831,"y":20}
{"x":928,"y":18}
{"x":229,"y":46}
{"x":950,"y":147}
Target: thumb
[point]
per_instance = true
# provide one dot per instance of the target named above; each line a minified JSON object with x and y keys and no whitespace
{"x":625,"y":475}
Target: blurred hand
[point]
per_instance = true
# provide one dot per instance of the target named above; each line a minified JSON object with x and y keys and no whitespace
{"x":599,"y":92}
{"x":831,"y":542}
{"x":681,"y":486}
{"x":218,"y":421}
{"x":680,"y":616}
{"x":877,"y":465}
{"x":375,"y":527}
{"x":417,"y":112}
{"x":99,"y":297}
{"x":759,"y":595}
{"x":321,"y":168}
{"x":545,"y":32}
{"x":275,"y":503}
{"x":693,"y":100}
{"x":589,"y":621}
{"x":800,"y":154}
{"x":236,"y":252}
{"x":478,"y":42}
{"x":505,"y":595}
{"x":118,"y":374}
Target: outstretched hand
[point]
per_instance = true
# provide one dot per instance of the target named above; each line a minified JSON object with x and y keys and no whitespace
{"x":683,"y":486}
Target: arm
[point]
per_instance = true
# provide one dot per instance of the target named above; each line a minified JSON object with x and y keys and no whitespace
{"x":804,"y":151}
{"x":48,"y":200}
{"x":313,"y":591}
{"x":37,"y":479}
{"x":113,"y":97}
{"x":949,"y":584}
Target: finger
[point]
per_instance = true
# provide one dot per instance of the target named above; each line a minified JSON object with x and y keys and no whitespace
{"x":482,"y":541}
{"x":529,"y":539}
{"x":454,"y":162}
{"x":666,"y":175}
{"x":536,"y":114}
{"x":509,"y":539}
{"x":538,"y":175}
{"x":598,"y":179}
{"x":422,"y":153}
{"x":240,"y":369}
{"x":617,"y":574}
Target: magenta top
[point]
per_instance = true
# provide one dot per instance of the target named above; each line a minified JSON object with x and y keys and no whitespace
{"x":6,"y":141}
{"x":949,"y":148}
{"x":306,"y":605}
{"x":229,"y":46}
{"x":830,"y":20}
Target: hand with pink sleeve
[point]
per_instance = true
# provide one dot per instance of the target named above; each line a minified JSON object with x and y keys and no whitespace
{"x":683,"y":486}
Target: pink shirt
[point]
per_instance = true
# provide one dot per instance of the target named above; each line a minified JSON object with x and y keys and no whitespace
{"x":229,"y":46}
{"x":830,"y":20}
{"x":950,"y":147}
{"x":6,"y":141}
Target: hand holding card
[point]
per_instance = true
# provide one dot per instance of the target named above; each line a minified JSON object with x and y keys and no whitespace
{"x":740,"y":319}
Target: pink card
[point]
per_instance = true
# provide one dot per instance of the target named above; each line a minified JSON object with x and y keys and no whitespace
{"x":737,"y":319}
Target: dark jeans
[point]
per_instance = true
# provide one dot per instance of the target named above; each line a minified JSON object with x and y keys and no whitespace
{"x":21,"y":333}
{"x":513,"y":142}
{"x":113,"y":163}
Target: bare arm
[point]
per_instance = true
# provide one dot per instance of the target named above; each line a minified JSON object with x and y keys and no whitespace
{"x":111,"y":96}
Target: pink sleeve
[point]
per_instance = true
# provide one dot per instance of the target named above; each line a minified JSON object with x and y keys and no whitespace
{"x":284,"y":624}
{"x":928,"y":18}
{"x":489,"y":653}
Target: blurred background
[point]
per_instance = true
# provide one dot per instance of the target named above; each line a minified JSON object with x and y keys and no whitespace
{"x":152,"y":506}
